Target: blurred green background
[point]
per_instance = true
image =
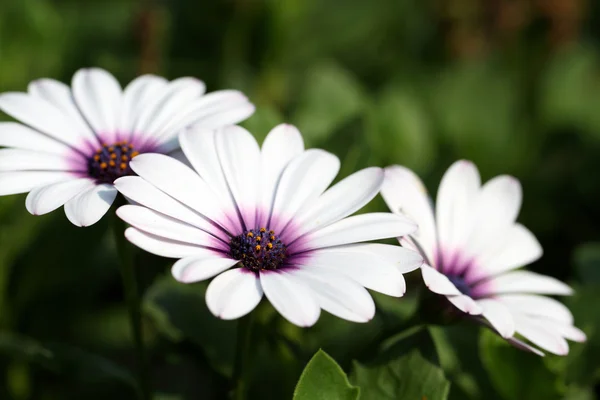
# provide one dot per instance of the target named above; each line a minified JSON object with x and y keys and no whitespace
{"x":513,"y":85}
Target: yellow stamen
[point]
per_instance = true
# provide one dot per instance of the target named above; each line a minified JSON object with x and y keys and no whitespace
{"x":103,"y":165}
{"x":250,"y":234}
{"x":96,"y":157}
{"x":124,"y":158}
{"x":123,"y":165}
{"x":113,"y":156}
{"x":263,"y":230}
{"x":257,"y":247}
{"x":111,"y":163}
{"x":135,"y":153}
{"x":269,"y":245}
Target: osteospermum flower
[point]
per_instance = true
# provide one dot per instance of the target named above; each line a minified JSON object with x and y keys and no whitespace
{"x":262,"y":221}
{"x":471,"y":249}
{"x":72,"y":143}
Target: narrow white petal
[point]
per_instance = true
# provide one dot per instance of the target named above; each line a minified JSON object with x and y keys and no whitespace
{"x":24,"y":181}
{"x":59,"y":95}
{"x":518,"y":248}
{"x":338,"y":295}
{"x":438,"y":282}
{"x":542,"y":337}
{"x":159,"y":224}
{"x":367,"y":268}
{"x":28,"y":160}
{"x":239,"y":156}
{"x":465,"y":304}
{"x":235,"y":114}
{"x":360,"y":228}
{"x":234,"y":293}
{"x":99,"y":97}
{"x":526,"y":282}
{"x":88,"y":207}
{"x":304,"y":179}
{"x":344,"y":198}
{"x":290,"y":297}
{"x":405,"y":260}
{"x":456,"y":198}
{"x":137,"y":96}
{"x":198,"y":268}
{"x":165,"y":105}
{"x":20,"y":136}
{"x":568,"y":331}
{"x":494,"y":212}
{"x":142,"y":192}
{"x":498,"y":316}
{"x":180,"y":182}
{"x":164,"y":247}
{"x":519,"y":344}
{"x":45,"y":199}
{"x":404,"y":193}
{"x":40,"y":115}
{"x":281,"y":145}
{"x":539,"y":306}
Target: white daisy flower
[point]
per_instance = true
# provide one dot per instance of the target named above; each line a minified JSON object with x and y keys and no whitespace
{"x":262,"y":221}
{"x":72,"y":143}
{"x":472,"y":247}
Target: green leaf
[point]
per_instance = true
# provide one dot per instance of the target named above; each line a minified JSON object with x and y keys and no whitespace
{"x":587,"y":262}
{"x":410,"y":376}
{"x":179,"y":311}
{"x":506,"y":365}
{"x":331,"y":97}
{"x":323,"y":379}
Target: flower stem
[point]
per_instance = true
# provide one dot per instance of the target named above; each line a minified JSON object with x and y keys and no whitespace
{"x":242,"y":355}
{"x":133,"y":299}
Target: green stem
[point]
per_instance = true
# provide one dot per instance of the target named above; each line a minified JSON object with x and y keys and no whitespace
{"x":242,"y":355}
{"x":132,"y":296}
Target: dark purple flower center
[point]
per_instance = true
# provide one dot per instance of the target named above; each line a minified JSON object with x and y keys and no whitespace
{"x":461,"y":284}
{"x":111,"y":162}
{"x":258,"y":249}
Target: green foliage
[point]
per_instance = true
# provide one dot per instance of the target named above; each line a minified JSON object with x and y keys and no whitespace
{"x":323,"y":379}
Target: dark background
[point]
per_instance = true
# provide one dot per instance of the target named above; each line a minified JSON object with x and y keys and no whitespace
{"x":513,"y":85}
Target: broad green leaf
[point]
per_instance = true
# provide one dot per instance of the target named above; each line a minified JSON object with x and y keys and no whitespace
{"x":506,"y":367}
{"x":331,"y":96}
{"x":323,"y":379}
{"x":179,"y":311}
{"x":409,"y":376}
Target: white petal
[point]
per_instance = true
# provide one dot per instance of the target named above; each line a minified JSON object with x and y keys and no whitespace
{"x":59,"y":95}
{"x":542,"y":337}
{"x":404,"y":260}
{"x":196,"y":269}
{"x":180,"y":182}
{"x":165,"y":247}
{"x":344,"y":198}
{"x":24,"y":181}
{"x":88,"y":207}
{"x":291,"y":298}
{"x":212,"y":111}
{"x":456,"y":197}
{"x":40,"y":115}
{"x":338,"y":295}
{"x":44,"y":199}
{"x":519,"y":344}
{"x":20,"y":136}
{"x":465,"y":304}
{"x":239,"y":156}
{"x":166,"y":104}
{"x":499,"y":317}
{"x":99,"y":97}
{"x":540,"y":306}
{"x":27,"y":160}
{"x":304,"y":179}
{"x":526,"y":282}
{"x":568,"y":331}
{"x":359,"y":228}
{"x":234,"y":293}
{"x":200,"y":149}
{"x":438,"y":282}
{"x":137,"y":96}
{"x":365,"y":267}
{"x":153,"y":222}
{"x":404,"y":193}
{"x":518,"y":248}
{"x":281,"y":145}
{"x":142,"y":192}
{"x":494,"y":212}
